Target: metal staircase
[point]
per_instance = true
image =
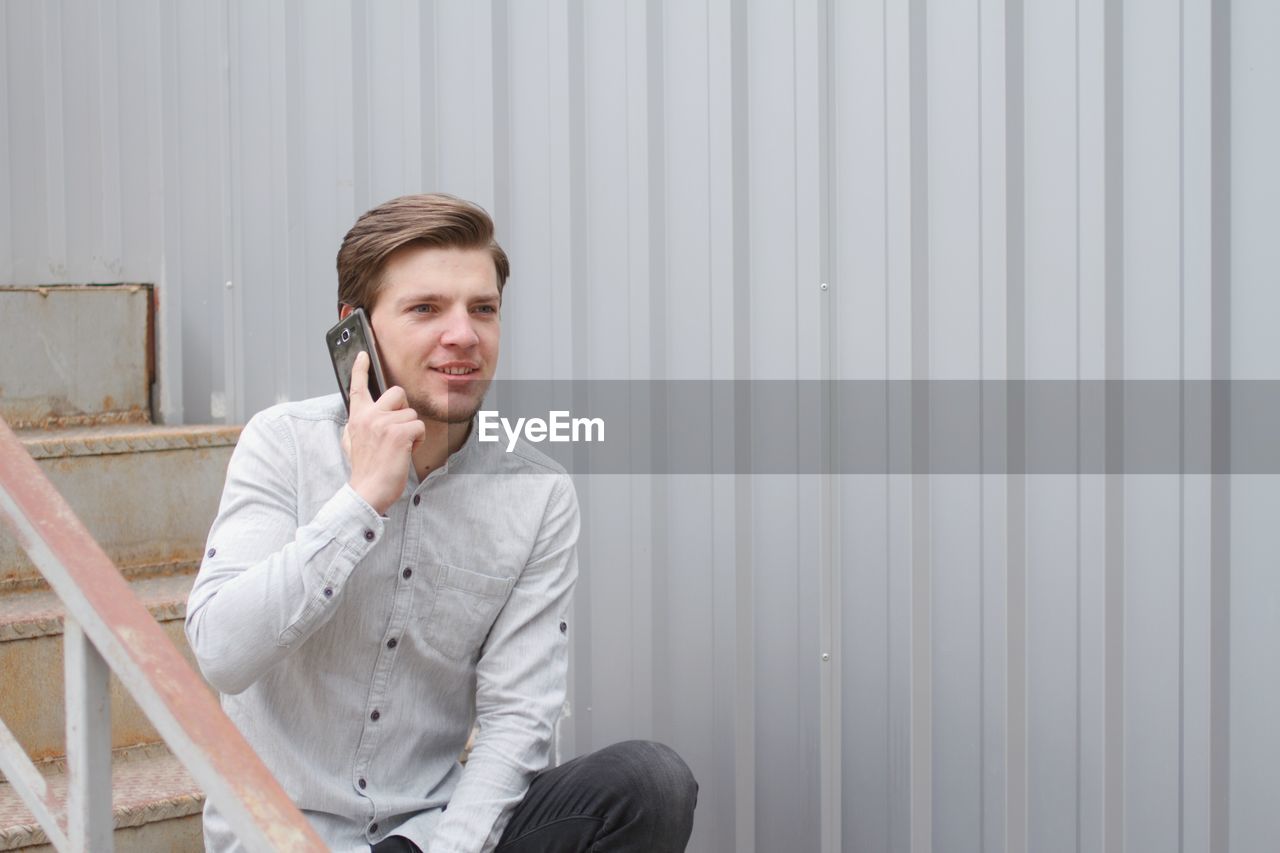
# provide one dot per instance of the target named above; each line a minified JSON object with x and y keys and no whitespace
{"x":75,"y":384}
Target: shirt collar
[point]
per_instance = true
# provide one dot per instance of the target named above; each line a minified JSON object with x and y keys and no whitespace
{"x":466,"y":451}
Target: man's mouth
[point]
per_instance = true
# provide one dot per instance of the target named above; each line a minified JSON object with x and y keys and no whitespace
{"x":456,"y":369}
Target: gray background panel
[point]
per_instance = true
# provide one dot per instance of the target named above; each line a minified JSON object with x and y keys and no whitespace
{"x":994,"y":189}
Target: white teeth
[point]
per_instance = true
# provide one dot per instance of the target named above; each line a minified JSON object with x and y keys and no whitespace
{"x":456,"y":371}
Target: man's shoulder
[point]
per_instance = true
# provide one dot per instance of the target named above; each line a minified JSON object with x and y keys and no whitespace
{"x":295,"y":420}
{"x":524,"y":458}
{"x":314,"y":409}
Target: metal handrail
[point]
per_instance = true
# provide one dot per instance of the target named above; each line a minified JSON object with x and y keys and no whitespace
{"x":107,"y":626}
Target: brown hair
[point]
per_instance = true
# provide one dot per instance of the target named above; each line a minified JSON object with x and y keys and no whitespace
{"x":430,"y":219}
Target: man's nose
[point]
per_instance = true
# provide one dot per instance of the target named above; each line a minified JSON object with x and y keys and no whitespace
{"x":459,"y":331}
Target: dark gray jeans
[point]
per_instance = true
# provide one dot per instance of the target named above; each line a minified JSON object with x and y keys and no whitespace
{"x":632,"y":797}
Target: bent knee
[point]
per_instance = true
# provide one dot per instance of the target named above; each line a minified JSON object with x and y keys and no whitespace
{"x":662,"y":767}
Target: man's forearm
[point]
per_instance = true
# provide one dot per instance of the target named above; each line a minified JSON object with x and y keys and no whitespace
{"x":267,"y":584}
{"x":243,"y":619}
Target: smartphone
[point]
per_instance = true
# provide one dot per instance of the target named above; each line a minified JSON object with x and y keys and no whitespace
{"x":345,"y":341}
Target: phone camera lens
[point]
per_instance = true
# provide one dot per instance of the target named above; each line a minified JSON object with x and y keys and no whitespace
{"x":346,"y":335}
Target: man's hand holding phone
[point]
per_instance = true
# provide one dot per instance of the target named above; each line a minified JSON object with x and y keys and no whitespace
{"x":379,"y":439}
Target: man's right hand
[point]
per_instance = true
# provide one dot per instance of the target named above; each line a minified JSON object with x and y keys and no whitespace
{"x":379,"y":437}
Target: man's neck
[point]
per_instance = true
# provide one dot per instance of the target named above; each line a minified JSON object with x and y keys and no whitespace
{"x":441,"y":441}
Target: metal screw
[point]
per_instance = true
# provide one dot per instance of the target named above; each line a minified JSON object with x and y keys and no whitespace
{"x":823,"y":286}
{"x":228,"y":285}
{"x":826,"y":656}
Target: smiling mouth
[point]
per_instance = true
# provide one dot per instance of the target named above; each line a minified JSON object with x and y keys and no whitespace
{"x":456,"y":371}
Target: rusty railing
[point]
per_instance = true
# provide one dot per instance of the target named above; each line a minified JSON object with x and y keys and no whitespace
{"x":107,"y":629}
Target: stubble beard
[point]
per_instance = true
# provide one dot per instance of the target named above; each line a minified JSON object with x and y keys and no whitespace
{"x":456,"y":411}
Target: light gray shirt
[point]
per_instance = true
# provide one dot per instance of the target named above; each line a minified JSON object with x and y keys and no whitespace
{"x":355,"y":651}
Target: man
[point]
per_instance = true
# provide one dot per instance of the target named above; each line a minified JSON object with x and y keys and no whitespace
{"x":374,"y":583}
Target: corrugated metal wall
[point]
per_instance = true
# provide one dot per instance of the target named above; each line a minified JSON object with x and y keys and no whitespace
{"x":994,"y":189}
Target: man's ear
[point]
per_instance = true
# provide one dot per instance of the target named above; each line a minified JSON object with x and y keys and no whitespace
{"x":344,"y":310}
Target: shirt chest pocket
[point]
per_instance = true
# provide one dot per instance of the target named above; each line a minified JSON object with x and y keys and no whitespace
{"x":465,"y":606}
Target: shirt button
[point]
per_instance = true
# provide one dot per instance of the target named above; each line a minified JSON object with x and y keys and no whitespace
{"x":407,"y":573}
{"x":417,"y":499}
{"x":212,"y":551}
{"x":368,"y":535}
{"x":361,"y":784}
{"x":373,"y":828}
{"x":391,"y":644}
{"x":328,"y":592}
{"x":374,"y":716}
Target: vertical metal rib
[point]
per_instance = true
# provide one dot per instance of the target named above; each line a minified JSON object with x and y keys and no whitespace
{"x":1113,"y":799}
{"x":1015,"y":507}
{"x":1220,"y":482}
{"x":921,"y":526}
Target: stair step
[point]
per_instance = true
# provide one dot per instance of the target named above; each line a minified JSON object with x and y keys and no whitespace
{"x":147,"y":493}
{"x":38,"y":613}
{"x":76,"y":354}
{"x":31,"y":662}
{"x":112,"y":439}
{"x":155,"y":801}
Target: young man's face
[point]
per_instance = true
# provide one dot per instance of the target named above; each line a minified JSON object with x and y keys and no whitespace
{"x":436,"y":322}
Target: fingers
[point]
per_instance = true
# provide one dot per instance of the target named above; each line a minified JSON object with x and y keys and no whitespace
{"x":397,"y":417}
{"x":378,"y":438}
{"x":418,"y":431}
{"x":373,"y":421}
{"x":406,"y":435}
{"x":393,"y":398}
{"x":360,"y":376}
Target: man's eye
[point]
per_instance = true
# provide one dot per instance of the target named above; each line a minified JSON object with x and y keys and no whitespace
{"x":423,"y":309}
{"x":487,"y":309}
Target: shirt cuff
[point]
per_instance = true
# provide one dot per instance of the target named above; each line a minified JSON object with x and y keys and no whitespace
{"x":354,"y":524}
